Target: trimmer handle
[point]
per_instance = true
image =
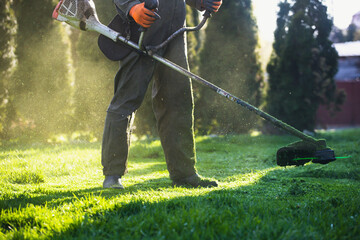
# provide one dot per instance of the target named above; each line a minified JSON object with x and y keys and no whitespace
{"x":207,"y":14}
{"x":154,"y":49}
{"x":150,"y":4}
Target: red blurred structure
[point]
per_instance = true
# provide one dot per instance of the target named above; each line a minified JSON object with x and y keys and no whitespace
{"x":347,"y":78}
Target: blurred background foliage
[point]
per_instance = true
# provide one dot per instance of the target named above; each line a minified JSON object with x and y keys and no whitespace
{"x":8,"y":62}
{"x":54,"y":79}
{"x":43,"y":82}
{"x":303,"y":64}
{"x":229,"y":59}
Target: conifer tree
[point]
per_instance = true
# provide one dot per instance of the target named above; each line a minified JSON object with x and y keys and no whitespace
{"x":8,"y":63}
{"x":352,"y":33}
{"x":43,"y":77}
{"x":303,"y":64}
{"x":229,"y":59}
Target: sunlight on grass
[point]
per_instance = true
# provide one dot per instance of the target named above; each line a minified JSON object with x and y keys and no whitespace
{"x":54,"y":191}
{"x":255,"y":133}
{"x":247,"y":178}
{"x":77,"y":136}
{"x":26,"y":177}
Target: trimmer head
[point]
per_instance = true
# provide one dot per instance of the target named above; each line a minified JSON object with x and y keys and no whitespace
{"x":299,"y":153}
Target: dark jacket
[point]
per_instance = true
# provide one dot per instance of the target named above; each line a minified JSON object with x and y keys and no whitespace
{"x":125,"y":5}
{"x":172,"y":14}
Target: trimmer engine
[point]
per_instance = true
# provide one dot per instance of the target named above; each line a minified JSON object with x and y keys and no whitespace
{"x":81,"y":14}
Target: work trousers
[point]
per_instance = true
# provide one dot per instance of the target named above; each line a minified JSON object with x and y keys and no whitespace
{"x":172,"y":100}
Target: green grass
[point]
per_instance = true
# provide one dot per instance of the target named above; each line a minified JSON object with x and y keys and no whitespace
{"x":53,"y":191}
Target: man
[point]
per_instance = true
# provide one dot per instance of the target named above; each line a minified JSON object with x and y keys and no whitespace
{"x":171,"y":94}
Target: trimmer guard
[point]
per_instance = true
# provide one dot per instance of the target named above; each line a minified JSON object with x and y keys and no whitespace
{"x":299,"y":153}
{"x":324,"y":156}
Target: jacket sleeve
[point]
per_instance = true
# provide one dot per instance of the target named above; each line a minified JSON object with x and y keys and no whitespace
{"x":126,"y":5}
{"x":195,"y":4}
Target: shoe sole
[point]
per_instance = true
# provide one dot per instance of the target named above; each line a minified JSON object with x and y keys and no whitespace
{"x":114,"y":187}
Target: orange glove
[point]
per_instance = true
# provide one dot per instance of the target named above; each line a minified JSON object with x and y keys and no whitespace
{"x":142,"y":15}
{"x":211,"y":5}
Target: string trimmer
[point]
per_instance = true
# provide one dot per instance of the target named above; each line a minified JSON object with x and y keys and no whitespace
{"x":81,"y":14}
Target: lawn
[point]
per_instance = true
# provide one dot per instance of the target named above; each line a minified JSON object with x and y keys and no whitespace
{"x":53,"y":191}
